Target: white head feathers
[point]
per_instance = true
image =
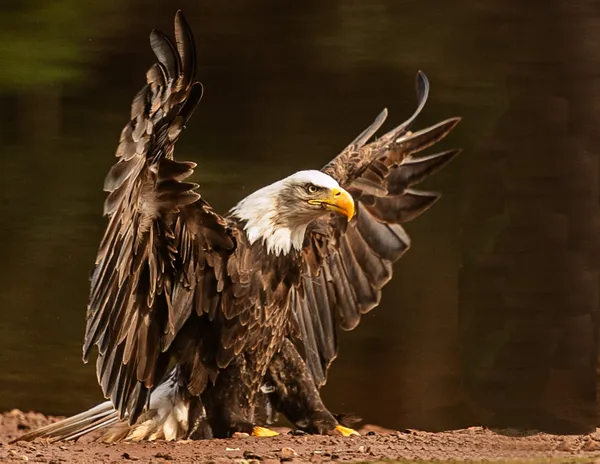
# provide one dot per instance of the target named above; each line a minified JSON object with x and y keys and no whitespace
{"x":261,"y":212}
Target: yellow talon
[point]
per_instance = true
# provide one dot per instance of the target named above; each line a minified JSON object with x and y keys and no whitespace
{"x":263,"y":432}
{"x":345,"y":431}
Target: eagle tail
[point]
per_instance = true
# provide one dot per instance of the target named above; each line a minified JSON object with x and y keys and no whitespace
{"x":98,"y":417}
{"x":167,"y":418}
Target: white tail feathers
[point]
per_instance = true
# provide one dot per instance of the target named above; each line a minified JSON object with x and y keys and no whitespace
{"x":165,"y":419}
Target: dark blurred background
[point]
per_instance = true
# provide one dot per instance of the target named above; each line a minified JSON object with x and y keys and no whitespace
{"x":491,"y":318}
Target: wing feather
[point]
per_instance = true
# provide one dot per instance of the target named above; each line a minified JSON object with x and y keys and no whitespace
{"x":160,"y":240}
{"x":402,"y":208}
{"x":365,"y":292}
{"x":346,"y":266}
{"x":308,"y":328}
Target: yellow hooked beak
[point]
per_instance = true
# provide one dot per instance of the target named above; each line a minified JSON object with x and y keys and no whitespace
{"x":339,"y":201}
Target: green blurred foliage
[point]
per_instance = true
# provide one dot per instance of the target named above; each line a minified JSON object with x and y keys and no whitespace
{"x":44,"y":43}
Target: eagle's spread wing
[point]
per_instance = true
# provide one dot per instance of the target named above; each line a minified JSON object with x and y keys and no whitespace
{"x":160,"y":234}
{"x":345,"y":266}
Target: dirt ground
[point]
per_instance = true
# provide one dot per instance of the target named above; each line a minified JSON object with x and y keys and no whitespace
{"x":375,"y":444}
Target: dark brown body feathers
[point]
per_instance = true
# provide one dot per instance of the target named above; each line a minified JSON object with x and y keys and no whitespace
{"x":175,"y":282}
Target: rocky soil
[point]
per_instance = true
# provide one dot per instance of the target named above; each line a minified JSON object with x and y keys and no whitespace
{"x":375,"y":444}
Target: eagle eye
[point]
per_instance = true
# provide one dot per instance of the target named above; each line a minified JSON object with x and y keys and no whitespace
{"x":310,"y":188}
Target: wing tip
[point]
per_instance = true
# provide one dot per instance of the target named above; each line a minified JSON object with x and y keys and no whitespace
{"x":181,"y":22}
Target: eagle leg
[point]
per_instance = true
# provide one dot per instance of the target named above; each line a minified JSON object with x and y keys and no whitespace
{"x":229,"y":403}
{"x":292,"y":392}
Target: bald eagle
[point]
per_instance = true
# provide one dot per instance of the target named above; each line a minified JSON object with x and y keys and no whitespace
{"x":198,"y":317}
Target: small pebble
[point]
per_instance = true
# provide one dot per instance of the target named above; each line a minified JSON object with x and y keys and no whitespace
{"x":591,"y":445}
{"x":287,"y":454}
{"x":251,"y":455}
{"x":566,"y":444}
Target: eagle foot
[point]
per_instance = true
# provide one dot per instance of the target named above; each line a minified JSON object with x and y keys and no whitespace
{"x":346,"y":431}
{"x":258,"y":431}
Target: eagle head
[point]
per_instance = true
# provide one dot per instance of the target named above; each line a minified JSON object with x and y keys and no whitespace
{"x":279,"y":214}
